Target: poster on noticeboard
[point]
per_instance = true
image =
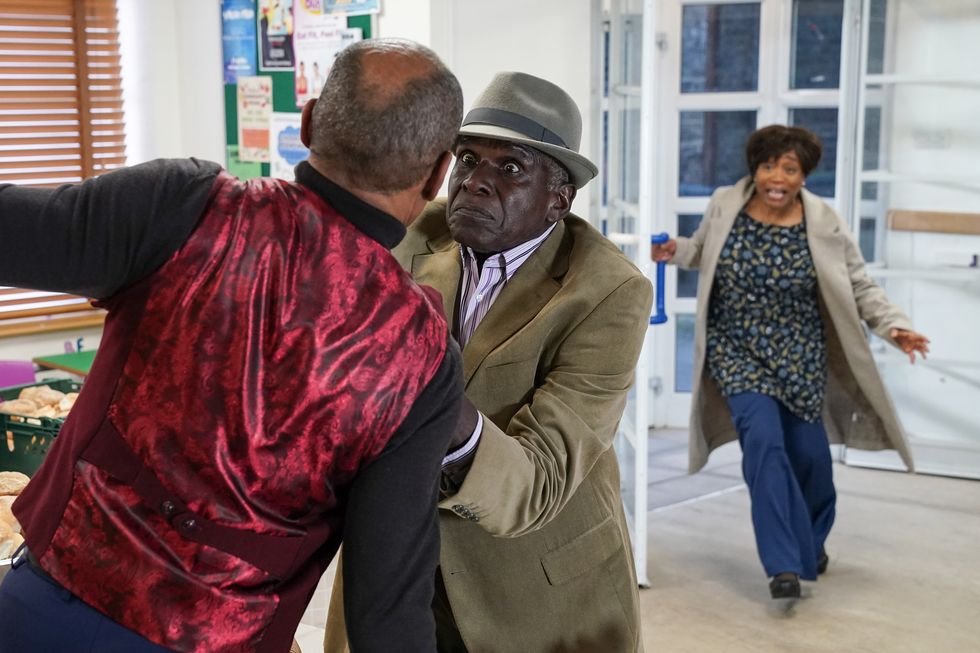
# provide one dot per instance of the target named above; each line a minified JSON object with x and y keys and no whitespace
{"x":348,"y":7}
{"x":238,"y":39}
{"x":286,"y":149}
{"x":317,"y":39}
{"x":254,"y":118}
{"x":275,"y":27}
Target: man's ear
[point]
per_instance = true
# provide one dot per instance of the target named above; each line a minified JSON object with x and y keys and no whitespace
{"x":438,"y":173}
{"x":305,"y":128}
{"x":562,"y":203}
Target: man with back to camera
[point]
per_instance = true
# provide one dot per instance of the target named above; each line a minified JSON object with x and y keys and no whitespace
{"x":551,"y":317}
{"x":269,"y":379}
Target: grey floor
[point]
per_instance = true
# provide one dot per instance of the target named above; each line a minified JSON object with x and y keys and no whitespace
{"x":904,"y":573}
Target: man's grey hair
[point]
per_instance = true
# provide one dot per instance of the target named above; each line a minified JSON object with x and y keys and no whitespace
{"x":386,"y":137}
{"x":557,"y":173}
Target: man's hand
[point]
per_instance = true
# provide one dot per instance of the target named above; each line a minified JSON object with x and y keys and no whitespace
{"x":910,"y":342}
{"x":663,"y":251}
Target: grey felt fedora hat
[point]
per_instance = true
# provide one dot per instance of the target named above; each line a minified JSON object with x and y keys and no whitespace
{"x":529,"y":110}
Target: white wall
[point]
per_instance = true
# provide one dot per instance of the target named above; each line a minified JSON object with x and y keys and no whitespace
{"x":173,"y":87}
{"x":410,"y":20}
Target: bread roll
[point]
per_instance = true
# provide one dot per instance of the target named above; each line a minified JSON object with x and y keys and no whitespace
{"x":19,"y":407}
{"x":31,"y":392}
{"x":7,"y":515}
{"x":46,"y":411}
{"x":48,"y":396}
{"x":12,"y":483}
{"x":6,"y":540}
{"x":67,"y":402}
{"x":9,"y":541}
{"x":15,"y":543}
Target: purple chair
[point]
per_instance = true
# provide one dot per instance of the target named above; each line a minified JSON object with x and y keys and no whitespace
{"x":16,"y":373}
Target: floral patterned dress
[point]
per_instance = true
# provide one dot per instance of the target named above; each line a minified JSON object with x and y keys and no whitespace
{"x":765,"y":333}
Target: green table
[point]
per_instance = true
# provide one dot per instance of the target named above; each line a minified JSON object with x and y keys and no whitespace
{"x":77,"y":363}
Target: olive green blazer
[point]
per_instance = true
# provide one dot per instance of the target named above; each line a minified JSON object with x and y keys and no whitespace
{"x":541,"y":558}
{"x":857,"y":410}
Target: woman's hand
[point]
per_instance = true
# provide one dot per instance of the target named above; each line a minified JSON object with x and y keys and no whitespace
{"x":294,"y":647}
{"x":910,"y":342}
{"x":663,"y":251}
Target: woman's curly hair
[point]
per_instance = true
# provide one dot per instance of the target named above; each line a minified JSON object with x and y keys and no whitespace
{"x":774,"y":141}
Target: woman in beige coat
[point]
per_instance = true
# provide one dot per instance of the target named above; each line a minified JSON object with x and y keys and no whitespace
{"x":780,"y":353}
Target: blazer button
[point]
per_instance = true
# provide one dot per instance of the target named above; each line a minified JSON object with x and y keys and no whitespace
{"x":465,"y":512}
{"x":168,"y":508}
{"x":189,"y":524}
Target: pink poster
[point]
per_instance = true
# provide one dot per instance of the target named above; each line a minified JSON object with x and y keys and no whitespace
{"x":317,"y":38}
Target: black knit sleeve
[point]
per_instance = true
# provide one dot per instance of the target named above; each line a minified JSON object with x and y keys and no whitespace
{"x":391,"y":536}
{"x":101,"y":235}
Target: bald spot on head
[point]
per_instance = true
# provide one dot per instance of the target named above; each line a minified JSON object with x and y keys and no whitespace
{"x":386,"y":71}
{"x":388,"y":109}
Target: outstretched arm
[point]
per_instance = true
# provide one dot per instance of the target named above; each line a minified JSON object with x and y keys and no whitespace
{"x":887,"y":320}
{"x":93,"y":238}
{"x":524,"y":474}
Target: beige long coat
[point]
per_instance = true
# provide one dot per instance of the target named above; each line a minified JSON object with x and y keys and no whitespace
{"x":857,"y":409}
{"x":535,"y":550}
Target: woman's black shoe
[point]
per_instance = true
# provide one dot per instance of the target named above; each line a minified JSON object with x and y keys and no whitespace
{"x":785,"y":586}
{"x":822,"y":561}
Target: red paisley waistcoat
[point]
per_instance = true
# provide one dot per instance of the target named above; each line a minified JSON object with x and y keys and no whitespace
{"x":196,"y":492}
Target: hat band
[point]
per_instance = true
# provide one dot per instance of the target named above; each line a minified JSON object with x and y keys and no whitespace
{"x":516,"y":122}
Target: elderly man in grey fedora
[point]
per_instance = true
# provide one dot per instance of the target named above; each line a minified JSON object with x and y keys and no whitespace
{"x":551,"y":317}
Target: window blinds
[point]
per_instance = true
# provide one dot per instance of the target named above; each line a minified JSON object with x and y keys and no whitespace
{"x":61,"y":121}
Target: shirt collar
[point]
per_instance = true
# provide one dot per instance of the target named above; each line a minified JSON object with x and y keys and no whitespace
{"x":370,"y":220}
{"x":505,"y":259}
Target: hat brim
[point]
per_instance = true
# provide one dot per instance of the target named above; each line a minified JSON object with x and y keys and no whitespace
{"x":580,"y":169}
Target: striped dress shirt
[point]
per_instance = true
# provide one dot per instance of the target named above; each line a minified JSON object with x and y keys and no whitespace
{"x":480,"y":288}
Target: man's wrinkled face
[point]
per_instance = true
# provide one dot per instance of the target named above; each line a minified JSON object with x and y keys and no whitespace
{"x":500,"y":195}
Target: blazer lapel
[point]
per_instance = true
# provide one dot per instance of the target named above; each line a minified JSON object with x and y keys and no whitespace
{"x":441,"y":270}
{"x":527,"y":292}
